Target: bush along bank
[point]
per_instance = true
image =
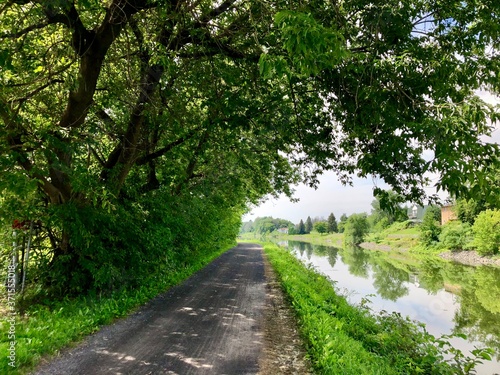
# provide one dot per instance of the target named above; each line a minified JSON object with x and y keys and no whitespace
{"x":345,"y":339}
{"x":47,"y":328}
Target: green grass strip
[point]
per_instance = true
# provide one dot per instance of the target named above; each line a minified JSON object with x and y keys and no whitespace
{"x":345,"y":339}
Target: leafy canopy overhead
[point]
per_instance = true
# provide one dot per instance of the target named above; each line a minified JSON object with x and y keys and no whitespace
{"x":106,"y":102}
{"x":93,"y":93}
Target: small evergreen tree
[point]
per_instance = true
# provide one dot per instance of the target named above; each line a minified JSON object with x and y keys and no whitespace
{"x":301,"y":228}
{"x":309,"y":225}
{"x":332,"y":224}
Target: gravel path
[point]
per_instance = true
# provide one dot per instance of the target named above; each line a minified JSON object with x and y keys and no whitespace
{"x":216,"y":322}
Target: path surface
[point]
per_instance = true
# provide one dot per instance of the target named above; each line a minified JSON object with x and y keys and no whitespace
{"x":210,"y":324}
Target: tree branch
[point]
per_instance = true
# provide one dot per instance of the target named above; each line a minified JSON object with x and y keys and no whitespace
{"x":37,"y":90}
{"x":164,"y":150}
{"x":25,"y":30}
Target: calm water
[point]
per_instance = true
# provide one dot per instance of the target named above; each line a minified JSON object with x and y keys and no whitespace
{"x":448,"y":298}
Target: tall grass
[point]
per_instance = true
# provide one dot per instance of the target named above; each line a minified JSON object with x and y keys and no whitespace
{"x":345,"y":339}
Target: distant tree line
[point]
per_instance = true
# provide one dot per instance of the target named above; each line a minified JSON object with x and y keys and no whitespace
{"x":477,"y":223}
{"x":265,"y":225}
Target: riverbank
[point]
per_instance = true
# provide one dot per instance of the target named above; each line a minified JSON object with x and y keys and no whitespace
{"x":397,"y":243}
{"x":470,"y":258}
{"x":349,"y":339}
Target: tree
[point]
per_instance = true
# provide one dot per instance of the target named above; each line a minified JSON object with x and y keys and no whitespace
{"x":430,"y":228}
{"x":434,"y":212}
{"x":486,"y":231}
{"x":332,"y":224}
{"x":321,"y":227}
{"x":301,"y":228}
{"x":109,"y":108}
{"x":356,"y":229}
{"x":387,"y":209}
{"x":343,"y":221}
{"x":309,"y":225}
{"x":268,"y":224}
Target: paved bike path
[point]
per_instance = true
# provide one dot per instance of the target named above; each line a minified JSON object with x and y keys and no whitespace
{"x":210,"y":324}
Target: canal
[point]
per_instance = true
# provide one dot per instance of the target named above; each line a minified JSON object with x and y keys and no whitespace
{"x":448,"y":298}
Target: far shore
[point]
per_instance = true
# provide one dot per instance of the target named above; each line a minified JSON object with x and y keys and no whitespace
{"x":469,"y":257}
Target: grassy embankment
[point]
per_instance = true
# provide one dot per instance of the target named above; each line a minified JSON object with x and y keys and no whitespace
{"x":396,"y":242}
{"x":44,"y":330}
{"x":345,"y":339}
{"x":397,"y":237}
{"x":331,"y":239}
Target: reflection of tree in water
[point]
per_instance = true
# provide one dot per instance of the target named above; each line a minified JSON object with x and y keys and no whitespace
{"x":459,"y":274}
{"x":357,"y":260}
{"x":321,"y":250}
{"x":430,"y":275}
{"x":333,"y":253}
{"x":309,"y":250}
{"x":389,"y":280}
{"x":301,"y":247}
{"x":479,"y":313}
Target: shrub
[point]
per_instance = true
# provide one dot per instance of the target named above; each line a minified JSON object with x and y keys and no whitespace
{"x":356,"y":229}
{"x":430,"y":228}
{"x":486,"y":231}
{"x":455,"y":235}
{"x":321,"y":227}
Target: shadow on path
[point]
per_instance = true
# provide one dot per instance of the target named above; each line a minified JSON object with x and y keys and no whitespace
{"x":210,"y":324}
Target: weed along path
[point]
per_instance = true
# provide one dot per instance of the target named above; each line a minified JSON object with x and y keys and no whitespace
{"x":213,"y":323}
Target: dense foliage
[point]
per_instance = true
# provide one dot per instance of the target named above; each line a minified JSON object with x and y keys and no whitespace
{"x":430,"y":229}
{"x":455,"y":235}
{"x":135,"y":131}
{"x":265,"y":225}
{"x":486,"y":231}
{"x":356,"y":228}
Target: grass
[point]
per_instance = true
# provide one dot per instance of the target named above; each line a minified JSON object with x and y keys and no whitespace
{"x":399,"y":236}
{"x":345,"y":339}
{"x":330,"y":239}
{"x":45,"y":330}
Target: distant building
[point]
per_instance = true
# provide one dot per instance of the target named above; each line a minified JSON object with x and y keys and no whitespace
{"x":283,"y":230}
{"x":416,"y":213}
{"x":447,"y":214}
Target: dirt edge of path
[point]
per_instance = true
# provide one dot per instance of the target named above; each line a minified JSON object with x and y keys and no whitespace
{"x":284,"y":350}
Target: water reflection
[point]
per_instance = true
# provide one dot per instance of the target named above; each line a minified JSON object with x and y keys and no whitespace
{"x":357,"y":260}
{"x":447,"y":297}
{"x":390,"y":281}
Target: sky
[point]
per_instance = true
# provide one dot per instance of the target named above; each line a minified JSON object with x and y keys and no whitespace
{"x":332,"y":197}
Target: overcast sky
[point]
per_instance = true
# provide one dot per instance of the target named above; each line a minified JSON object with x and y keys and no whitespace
{"x":331,"y":196}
